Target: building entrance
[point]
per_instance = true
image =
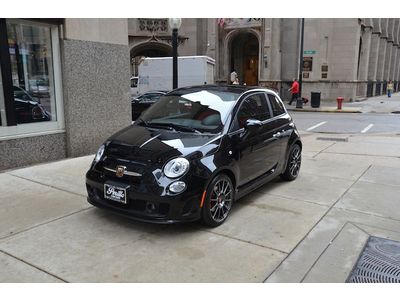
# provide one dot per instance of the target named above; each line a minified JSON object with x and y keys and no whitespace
{"x":244,"y":58}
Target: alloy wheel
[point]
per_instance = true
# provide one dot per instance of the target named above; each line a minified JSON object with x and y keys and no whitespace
{"x":221,"y":200}
{"x":295,"y":162}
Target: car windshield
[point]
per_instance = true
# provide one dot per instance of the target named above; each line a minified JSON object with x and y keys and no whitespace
{"x":196,"y":111}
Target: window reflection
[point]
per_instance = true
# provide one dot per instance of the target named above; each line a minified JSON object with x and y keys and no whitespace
{"x":32,"y":72}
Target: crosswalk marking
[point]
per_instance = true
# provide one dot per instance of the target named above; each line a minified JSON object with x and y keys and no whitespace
{"x":315,"y":126}
{"x":367,"y":128}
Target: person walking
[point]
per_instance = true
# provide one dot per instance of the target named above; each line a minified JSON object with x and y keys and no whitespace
{"x":390,"y":88}
{"x":295,"y":91}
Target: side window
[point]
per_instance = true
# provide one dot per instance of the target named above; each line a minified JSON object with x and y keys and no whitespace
{"x":253,"y":107}
{"x":276,"y":105}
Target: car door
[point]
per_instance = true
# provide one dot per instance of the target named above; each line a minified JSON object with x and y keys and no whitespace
{"x":257,"y":150}
{"x":281,"y":122}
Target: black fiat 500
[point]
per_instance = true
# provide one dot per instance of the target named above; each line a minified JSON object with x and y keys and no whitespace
{"x":195,"y":152}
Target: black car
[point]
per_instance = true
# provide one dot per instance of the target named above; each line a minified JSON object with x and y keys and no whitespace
{"x":144,"y":101}
{"x":193,"y":153}
{"x":27,"y":109}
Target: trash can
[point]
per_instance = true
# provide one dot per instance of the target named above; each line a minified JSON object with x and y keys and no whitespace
{"x":315,"y":99}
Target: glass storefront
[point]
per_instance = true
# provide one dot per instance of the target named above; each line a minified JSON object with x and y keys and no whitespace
{"x":35,"y":72}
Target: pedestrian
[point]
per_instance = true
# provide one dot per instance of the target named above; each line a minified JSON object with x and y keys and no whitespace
{"x":295,"y":91}
{"x":236,"y":81}
{"x":234,"y":77}
{"x":390,"y":88}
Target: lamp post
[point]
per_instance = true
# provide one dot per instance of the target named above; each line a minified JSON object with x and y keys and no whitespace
{"x":175,"y":24}
{"x":301,"y":56}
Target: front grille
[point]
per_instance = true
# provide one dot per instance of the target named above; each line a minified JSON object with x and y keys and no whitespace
{"x":378,"y":263}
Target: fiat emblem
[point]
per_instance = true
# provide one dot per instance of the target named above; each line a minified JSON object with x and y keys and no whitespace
{"x":119,"y":172}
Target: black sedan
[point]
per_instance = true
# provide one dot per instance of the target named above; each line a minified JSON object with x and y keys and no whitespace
{"x":144,"y":101}
{"x":195,"y":152}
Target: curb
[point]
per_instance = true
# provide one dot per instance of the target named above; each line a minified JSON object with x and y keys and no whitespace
{"x":329,"y":110}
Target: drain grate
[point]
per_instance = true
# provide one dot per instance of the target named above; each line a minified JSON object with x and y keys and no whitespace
{"x":379,"y":262}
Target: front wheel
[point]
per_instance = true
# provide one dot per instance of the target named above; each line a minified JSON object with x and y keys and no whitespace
{"x":293,"y":164}
{"x":218,"y":201}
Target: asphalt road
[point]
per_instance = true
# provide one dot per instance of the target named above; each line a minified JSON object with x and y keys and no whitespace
{"x":347,"y":122}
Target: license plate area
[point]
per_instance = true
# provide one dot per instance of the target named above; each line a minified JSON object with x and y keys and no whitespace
{"x":116,"y":192}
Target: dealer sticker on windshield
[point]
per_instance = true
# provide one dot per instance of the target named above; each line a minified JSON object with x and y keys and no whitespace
{"x":115,"y":193}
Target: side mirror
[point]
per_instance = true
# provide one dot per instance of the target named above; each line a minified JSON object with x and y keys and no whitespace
{"x":252,"y":124}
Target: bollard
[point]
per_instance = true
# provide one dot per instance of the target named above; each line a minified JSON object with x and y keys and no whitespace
{"x":339,"y":102}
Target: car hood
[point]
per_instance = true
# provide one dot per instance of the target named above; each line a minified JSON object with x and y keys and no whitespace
{"x":151,"y":144}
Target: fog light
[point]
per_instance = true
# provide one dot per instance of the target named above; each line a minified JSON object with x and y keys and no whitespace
{"x":177,"y":186}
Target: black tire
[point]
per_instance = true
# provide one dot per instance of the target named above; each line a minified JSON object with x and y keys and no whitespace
{"x":218,"y":201}
{"x":293,"y":164}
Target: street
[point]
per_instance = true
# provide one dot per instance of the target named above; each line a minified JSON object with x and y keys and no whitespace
{"x":347,"y":123}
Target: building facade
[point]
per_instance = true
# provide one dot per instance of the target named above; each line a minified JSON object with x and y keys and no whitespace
{"x":64,"y":87}
{"x":351,"y":58}
{"x":64,"y":83}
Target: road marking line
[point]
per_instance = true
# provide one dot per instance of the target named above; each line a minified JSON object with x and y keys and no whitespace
{"x":315,"y":126}
{"x":367,"y":128}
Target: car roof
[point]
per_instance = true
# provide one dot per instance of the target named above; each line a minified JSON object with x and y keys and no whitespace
{"x":236,"y":89}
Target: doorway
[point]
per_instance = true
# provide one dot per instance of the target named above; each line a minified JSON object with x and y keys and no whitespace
{"x":244,"y":58}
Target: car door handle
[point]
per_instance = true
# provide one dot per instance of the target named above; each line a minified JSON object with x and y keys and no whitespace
{"x":277,"y":135}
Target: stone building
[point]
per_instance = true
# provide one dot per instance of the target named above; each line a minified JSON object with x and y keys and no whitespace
{"x":352,"y":58}
{"x":64,"y":83}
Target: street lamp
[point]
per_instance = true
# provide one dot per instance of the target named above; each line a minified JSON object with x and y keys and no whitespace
{"x":301,"y":57}
{"x":175,"y":24}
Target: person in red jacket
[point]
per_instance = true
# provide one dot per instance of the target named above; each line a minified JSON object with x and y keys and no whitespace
{"x":295,"y":91}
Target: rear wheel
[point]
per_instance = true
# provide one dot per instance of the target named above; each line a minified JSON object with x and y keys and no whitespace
{"x":293,"y":164}
{"x":218,"y":202}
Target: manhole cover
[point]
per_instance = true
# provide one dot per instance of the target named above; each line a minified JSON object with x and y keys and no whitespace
{"x":379,"y":262}
{"x":333,"y":139}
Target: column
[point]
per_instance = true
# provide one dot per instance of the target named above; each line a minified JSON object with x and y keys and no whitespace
{"x":381,"y":64}
{"x":364,"y":62}
{"x":373,"y":59}
{"x":388,"y":58}
{"x":393,"y":62}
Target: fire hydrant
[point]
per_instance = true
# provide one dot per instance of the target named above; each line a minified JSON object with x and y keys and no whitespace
{"x":339,"y":101}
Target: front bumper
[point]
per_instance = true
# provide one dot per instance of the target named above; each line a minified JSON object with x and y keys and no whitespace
{"x":145,"y":204}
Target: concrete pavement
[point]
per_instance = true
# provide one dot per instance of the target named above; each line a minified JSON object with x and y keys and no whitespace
{"x":308,"y":230}
{"x":378,"y":104}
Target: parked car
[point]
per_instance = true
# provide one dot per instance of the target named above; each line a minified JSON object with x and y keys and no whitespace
{"x":143,"y":102}
{"x":193,"y":153}
{"x":27,"y":109}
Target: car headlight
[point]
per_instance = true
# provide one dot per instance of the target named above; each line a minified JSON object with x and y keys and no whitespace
{"x":99,"y":153}
{"x":176,"y":167}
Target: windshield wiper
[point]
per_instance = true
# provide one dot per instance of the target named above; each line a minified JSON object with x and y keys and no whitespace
{"x":141,"y":121}
{"x":176,"y":126}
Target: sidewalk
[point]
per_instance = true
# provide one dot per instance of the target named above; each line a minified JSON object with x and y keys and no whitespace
{"x":308,"y":230}
{"x":378,"y":104}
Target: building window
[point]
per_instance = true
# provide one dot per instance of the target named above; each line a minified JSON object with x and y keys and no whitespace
{"x":34,"y":63}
